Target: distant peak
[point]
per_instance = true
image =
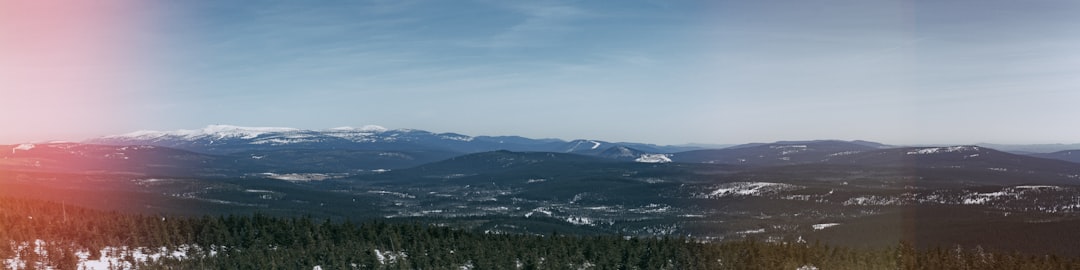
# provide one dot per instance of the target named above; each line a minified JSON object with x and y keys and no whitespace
{"x":231,"y":128}
{"x":219,"y":131}
{"x":366,"y":128}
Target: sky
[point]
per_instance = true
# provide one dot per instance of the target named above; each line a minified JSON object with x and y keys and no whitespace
{"x":664,"y":72}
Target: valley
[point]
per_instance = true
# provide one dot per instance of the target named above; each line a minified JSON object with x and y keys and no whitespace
{"x":850,"y":193}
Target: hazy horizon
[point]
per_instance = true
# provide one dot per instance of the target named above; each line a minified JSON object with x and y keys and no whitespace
{"x":900,"y":72}
{"x":559,"y":138}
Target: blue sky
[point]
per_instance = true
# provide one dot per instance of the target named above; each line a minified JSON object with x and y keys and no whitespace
{"x":666,"y":72}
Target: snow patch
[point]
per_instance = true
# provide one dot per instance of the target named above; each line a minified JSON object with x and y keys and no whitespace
{"x":287,"y":140}
{"x":822,"y":226}
{"x":298,"y":177}
{"x":580,"y":221}
{"x":794,"y":146}
{"x":455,"y":137}
{"x":542,"y":210}
{"x":874,"y":200}
{"x":23,"y":147}
{"x":1039,"y":187}
{"x":111,"y":257}
{"x":748,"y":189}
{"x":211,"y":131}
{"x":653,"y":158}
{"x":399,"y":194}
{"x":374,"y":128}
{"x":365,"y":128}
{"x":751,"y":231}
{"x":843,"y":153}
{"x":982,"y":198}
{"x":362,"y":134}
{"x":950,"y":149}
{"x":388,"y":257}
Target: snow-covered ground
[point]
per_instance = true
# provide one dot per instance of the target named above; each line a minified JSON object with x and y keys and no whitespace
{"x":950,"y":149}
{"x":735,"y":189}
{"x":111,"y":257}
{"x":298,"y":177}
{"x":823,"y":226}
{"x":653,"y":158}
{"x":386,"y":257}
{"x":23,"y":147}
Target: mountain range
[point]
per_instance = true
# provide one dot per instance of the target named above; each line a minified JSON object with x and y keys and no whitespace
{"x":780,"y":191}
{"x":225,"y":139}
{"x":222,"y":150}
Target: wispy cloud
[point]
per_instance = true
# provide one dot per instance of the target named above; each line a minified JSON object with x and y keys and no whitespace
{"x":542,"y":25}
{"x":543,"y":62}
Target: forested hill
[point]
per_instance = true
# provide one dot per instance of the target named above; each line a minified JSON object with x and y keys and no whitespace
{"x":67,"y":237}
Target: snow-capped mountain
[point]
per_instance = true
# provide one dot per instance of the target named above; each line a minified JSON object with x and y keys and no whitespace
{"x":225,"y":150}
{"x":222,"y":139}
{"x":228,"y":139}
{"x":212,"y":132}
{"x":166,"y":161}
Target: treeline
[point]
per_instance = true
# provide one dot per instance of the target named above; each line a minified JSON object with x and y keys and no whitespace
{"x":266,"y":242}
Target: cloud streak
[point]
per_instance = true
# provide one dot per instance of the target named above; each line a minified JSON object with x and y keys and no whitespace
{"x":718,"y":72}
{"x":542,"y":25}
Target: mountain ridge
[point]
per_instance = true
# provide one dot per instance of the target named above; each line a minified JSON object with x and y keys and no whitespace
{"x":224,"y":139}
